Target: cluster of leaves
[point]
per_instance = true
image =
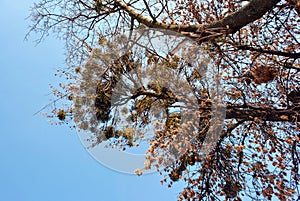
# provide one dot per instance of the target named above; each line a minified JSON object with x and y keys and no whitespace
{"x":106,"y":94}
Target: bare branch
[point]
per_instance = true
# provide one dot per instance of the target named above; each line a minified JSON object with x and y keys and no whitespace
{"x":293,"y":55}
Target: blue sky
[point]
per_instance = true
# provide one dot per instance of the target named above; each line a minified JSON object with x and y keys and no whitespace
{"x":40,"y":161}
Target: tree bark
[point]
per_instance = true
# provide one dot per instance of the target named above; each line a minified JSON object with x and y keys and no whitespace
{"x":265,"y":114}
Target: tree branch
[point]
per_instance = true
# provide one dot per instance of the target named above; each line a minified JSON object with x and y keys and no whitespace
{"x":149,"y":11}
{"x":265,"y":114}
{"x":241,"y":112}
{"x":294,"y":55}
{"x":254,"y":10}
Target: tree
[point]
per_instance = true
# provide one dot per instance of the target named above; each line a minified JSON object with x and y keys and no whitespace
{"x":254,"y":46}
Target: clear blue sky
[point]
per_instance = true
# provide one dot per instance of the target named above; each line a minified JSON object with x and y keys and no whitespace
{"x":39,"y":161}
